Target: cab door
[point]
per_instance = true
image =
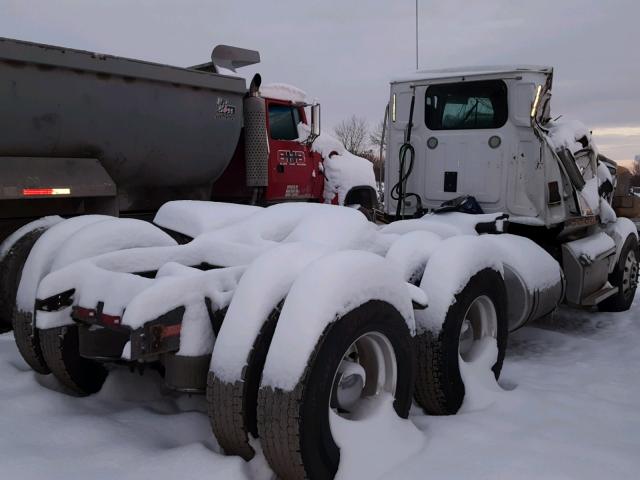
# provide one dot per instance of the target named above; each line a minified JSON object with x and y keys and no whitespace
{"x":466,"y":125}
{"x":293,"y":168}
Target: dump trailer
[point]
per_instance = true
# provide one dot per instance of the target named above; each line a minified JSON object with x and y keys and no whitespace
{"x":298,"y":317}
{"x":87,"y":133}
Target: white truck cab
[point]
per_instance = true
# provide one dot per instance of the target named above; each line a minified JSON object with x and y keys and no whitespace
{"x":477,"y":131}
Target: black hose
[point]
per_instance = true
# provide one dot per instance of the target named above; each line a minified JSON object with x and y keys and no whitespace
{"x":398,"y":192}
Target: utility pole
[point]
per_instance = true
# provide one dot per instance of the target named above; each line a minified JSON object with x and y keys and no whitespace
{"x":417,"y":64}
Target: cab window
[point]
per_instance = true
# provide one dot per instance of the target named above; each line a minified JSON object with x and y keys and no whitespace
{"x":283,"y":122}
{"x":466,"y":105}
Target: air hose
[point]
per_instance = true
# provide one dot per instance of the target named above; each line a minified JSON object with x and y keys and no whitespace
{"x":407,"y":155}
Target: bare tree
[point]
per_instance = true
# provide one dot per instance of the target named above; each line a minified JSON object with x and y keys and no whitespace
{"x":376,"y":138}
{"x":353,"y":133}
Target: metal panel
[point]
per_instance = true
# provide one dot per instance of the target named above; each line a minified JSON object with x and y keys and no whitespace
{"x":61,"y":57}
{"x":256,"y":142}
{"x":84,"y":177}
{"x":145,"y":133}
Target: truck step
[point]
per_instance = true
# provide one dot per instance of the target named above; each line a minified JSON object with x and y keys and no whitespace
{"x":598,"y":296}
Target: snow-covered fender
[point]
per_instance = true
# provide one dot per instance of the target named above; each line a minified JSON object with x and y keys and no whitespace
{"x":619,"y":231}
{"x":265,"y":283}
{"x":448,"y":270}
{"x":325,"y":290}
{"x":195,"y":217}
{"x":93,"y":237}
{"x":110,"y":235}
{"x":43,"y":255}
{"x":411,"y":252}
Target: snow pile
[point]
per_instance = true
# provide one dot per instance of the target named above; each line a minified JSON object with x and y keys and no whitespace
{"x":342,"y":169}
{"x":192,"y":217}
{"x":110,"y":235}
{"x":607,"y":214}
{"x":480,"y":387}
{"x":91,"y":285}
{"x":447,"y":224}
{"x":566,"y":133}
{"x":590,"y":195}
{"x":112,"y":278}
{"x":189,"y":290}
{"x":411,"y":252}
{"x":362,"y":458}
{"x":451,"y":266}
{"x":325,"y":290}
{"x":283,"y":91}
{"x":44,"y":222}
{"x":570,"y":412}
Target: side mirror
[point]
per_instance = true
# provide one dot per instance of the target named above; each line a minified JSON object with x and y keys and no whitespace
{"x":315,"y":122}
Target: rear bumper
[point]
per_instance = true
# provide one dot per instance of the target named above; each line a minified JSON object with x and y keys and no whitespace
{"x":103,"y":337}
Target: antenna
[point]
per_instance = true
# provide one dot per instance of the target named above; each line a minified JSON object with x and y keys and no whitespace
{"x":416,"y":34}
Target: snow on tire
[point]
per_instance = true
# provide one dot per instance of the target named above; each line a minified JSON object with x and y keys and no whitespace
{"x":365,"y":353}
{"x":26,"y":336}
{"x":14,"y":251}
{"x":61,"y":353}
{"x":478,"y":312}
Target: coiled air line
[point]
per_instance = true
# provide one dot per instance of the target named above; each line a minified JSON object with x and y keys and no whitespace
{"x":407,"y":154}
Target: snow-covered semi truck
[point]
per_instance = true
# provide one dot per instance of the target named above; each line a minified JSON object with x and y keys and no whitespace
{"x":297,"y":318}
{"x":86,"y":133}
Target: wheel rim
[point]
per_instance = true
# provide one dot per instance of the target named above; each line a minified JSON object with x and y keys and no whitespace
{"x":630,"y":273}
{"x":368,"y":369}
{"x":480,"y":322}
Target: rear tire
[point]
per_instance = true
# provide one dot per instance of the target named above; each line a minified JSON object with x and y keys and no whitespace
{"x":625,"y":277}
{"x":232,"y":406}
{"x":27,"y":339}
{"x":294,"y":426}
{"x":439,"y":387}
{"x":10,"y":272}
{"x":61,"y":353}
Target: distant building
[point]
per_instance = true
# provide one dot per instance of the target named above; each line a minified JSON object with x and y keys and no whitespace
{"x":637,"y":160}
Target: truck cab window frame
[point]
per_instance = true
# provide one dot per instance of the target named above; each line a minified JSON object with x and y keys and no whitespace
{"x":283,"y":121}
{"x":466,"y":105}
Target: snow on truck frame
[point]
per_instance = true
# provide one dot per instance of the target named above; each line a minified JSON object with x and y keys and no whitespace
{"x":87,"y":133}
{"x":295,"y":317}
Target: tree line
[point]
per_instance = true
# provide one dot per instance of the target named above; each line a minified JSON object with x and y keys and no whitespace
{"x":361,"y":139}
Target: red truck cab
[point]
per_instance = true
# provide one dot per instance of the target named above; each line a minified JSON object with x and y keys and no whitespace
{"x":293,"y":170}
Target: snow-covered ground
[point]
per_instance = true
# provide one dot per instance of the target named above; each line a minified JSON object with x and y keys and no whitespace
{"x":569,"y":408}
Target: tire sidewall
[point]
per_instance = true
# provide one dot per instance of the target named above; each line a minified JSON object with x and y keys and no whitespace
{"x":486,"y":282}
{"x":319,"y":451}
{"x":630,"y":244}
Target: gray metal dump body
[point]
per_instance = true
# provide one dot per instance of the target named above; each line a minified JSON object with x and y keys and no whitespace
{"x":149,"y":125}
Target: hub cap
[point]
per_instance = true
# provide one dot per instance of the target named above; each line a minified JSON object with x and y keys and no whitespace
{"x":480,"y":322}
{"x":368,"y":369}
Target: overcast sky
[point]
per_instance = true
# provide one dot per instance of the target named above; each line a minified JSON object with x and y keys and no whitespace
{"x":344,"y":52}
